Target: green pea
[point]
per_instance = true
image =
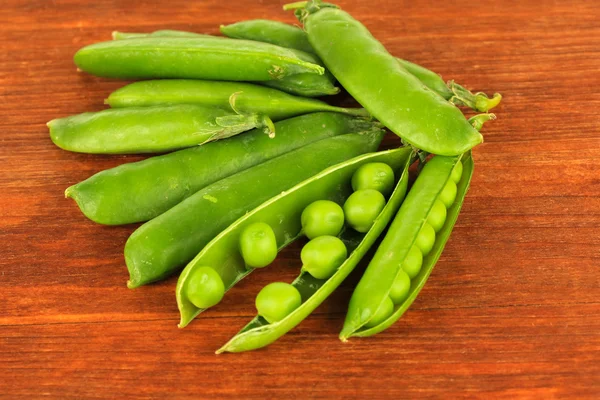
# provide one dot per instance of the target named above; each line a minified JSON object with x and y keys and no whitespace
{"x":448,"y":194}
{"x":378,"y":176}
{"x":400,"y":288}
{"x":321,"y":218}
{"x":383,"y":312}
{"x":437,"y":215}
{"x":322,"y":256}
{"x":258,"y":245}
{"x":413,"y":262}
{"x":362,"y":207}
{"x":457,"y":172}
{"x":277,"y":300}
{"x":205,"y":287}
{"x":426,"y":239}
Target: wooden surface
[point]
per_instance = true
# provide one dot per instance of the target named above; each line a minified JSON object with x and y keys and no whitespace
{"x":511,"y":311}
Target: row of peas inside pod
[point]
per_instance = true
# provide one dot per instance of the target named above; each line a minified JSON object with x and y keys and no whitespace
{"x":322,"y":221}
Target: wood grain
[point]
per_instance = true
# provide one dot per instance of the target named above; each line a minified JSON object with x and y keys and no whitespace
{"x":511,"y":311}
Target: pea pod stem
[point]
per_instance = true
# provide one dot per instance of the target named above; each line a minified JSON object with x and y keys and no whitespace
{"x":478,"y":101}
{"x":478,"y":120}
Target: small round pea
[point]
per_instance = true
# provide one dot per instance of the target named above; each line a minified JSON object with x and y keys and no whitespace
{"x":437,"y":215}
{"x":322,"y":256}
{"x":400,"y":288}
{"x":426,"y":238}
{"x":322,"y":218}
{"x":204,"y":287}
{"x":378,"y":176}
{"x":362,"y":207}
{"x":448,"y":194}
{"x":277,"y":300}
{"x":383,"y":312}
{"x":413,"y":262}
{"x":258,"y":245}
{"x":457,"y":172}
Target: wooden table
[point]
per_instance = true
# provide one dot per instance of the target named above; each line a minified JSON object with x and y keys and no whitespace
{"x":511,"y":311}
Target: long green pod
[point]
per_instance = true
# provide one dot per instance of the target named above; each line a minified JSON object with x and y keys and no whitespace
{"x":259,"y":333}
{"x":302,"y":84}
{"x":381,"y":85}
{"x":282,"y":213}
{"x":166,"y":243}
{"x":150,"y":129}
{"x":204,"y":57}
{"x":140,"y":191}
{"x":247,"y":97}
{"x":285,"y":35}
{"x":387,"y":263}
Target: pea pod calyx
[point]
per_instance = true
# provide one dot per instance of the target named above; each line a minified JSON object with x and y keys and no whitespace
{"x":477,"y":101}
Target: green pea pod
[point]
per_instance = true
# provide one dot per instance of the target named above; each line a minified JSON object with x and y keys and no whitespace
{"x":259,"y":333}
{"x":302,"y":84}
{"x":390,"y":260}
{"x":204,"y":57}
{"x":150,"y":129}
{"x":282,"y":213}
{"x":166,"y":243}
{"x":125,"y":194}
{"x":381,"y":85}
{"x":247,"y":97}
{"x":285,"y":35}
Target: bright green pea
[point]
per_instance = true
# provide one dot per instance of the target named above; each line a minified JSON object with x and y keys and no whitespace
{"x":277,"y":300}
{"x":437,"y":215}
{"x":383,"y":312}
{"x":448,"y":194}
{"x":258,"y":245}
{"x":457,"y":172}
{"x":362,"y":207}
{"x":400,"y":288}
{"x":378,"y":176}
{"x":322,"y":256}
{"x":322,"y":218}
{"x":413,"y":262}
{"x":205,"y":287}
{"x":426,"y":238}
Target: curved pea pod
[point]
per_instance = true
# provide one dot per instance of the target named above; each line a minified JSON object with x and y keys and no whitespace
{"x":381,"y":85}
{"x":391,"y":258}
{"x":285,"y":35}
{"x":166,"y":243}
{"x":282,"y":213}
{"x":203,"y":57}
{"x":247,"y":97}
{"x":302,"y":84}
{"x":259,"y":333}
{"x":126,"y":194}
{"x":150,"y":129}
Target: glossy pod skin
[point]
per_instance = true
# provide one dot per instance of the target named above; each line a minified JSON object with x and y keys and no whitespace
{"x":150,"y":129}
{"x":140,"y":191}
{"x":314,"y":291}
{"x":291,"y":36}
{"x":166,"y":243}
{"x":247,"y":97}
{"x":306,"y":84}
{"x":387,"y":263}
{"x":203,"y":57}
{"x":283,"y":214}
{"x":381,"y":85}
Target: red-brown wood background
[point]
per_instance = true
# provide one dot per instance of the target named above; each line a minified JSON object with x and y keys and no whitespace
{"x":512,"y":309}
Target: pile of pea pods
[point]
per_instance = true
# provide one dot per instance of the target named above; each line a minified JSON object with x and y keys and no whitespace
{"x":251,"y":161}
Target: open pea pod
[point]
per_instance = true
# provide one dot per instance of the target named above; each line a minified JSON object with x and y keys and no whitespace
{"x":443,"y":182}
{"x":259,"y":333}
{"x":282,"y":213}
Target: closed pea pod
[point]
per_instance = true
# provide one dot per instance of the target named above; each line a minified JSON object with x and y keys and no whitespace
{"x":166,"y":243}
{"x":283,"y":214}
{"x":390,"y":259}
{"x":124,"y":194}
{"x":259,"y":333}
